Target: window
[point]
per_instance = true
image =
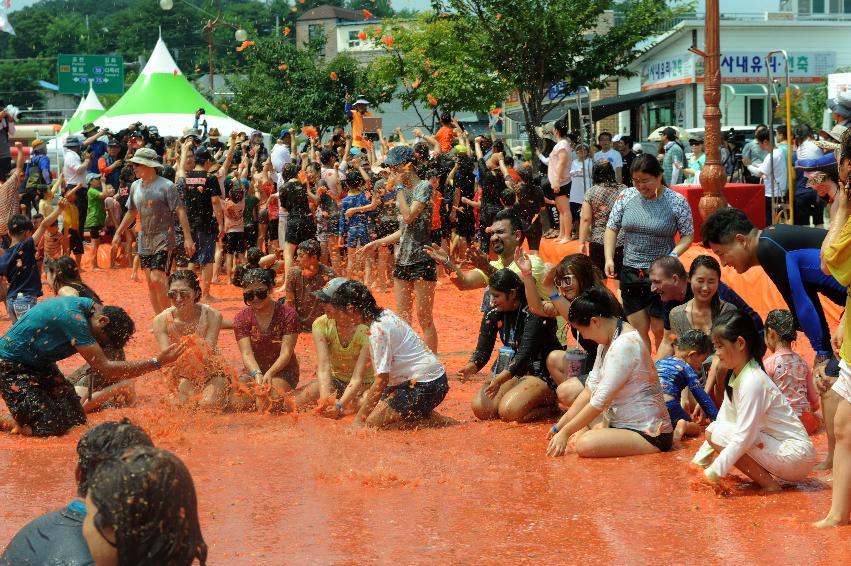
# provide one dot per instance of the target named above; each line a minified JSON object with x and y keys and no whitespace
{"x":846,"y":6}
{"x":819,"y":6}
{"x":355,"y":42}
{"x":755,"y":110}
{"x":316,"y":35}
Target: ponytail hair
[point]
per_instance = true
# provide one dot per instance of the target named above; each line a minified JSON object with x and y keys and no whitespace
{"x":595,"y":301}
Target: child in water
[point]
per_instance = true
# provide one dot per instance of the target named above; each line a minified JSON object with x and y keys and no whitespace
{"x":789,"y":370}
{"x":678,"y":372}
{"x":757,"y":431}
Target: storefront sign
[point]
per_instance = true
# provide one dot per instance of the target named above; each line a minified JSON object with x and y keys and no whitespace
{"x":838,"y":83}
{"x":804,"y":67}
{"x":660,"y":73}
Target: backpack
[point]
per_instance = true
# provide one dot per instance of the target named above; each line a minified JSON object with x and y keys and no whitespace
{"x":34,"y":180}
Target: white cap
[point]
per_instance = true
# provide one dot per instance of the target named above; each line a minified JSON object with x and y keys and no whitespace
{"x":616,"y":138}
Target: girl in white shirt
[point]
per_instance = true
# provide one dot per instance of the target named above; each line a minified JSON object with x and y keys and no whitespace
{"x":623,"y":385}
{"x":759,"y":433}
{"x":409,"y":380}
{"x":558,"y":173}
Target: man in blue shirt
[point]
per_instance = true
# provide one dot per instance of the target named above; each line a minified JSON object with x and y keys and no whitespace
{"x":93,"y":148}
{"x":57,"y":537}
{"x":42,"y":402}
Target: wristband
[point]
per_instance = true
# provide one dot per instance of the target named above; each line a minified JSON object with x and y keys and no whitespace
{"x":555,"y":296}
{"x":554,"y":428}
{"x":254,"y":373}
{"x":156,"y":363}
{"x":339,"y":407}
{"x":526,"y":273}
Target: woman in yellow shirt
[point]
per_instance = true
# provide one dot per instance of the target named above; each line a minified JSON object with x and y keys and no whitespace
{"x":342,"y":356}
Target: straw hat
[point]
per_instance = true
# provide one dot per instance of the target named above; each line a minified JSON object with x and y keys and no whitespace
{"x":146,"y":156}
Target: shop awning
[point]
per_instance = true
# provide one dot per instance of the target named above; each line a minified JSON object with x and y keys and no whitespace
{"x":746,"y":89}
{"x":604,"y":107}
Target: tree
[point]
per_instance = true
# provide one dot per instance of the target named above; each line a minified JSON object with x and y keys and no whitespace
{"x":378,"y":8}
{"x":534,"y":44}
{"x":283,"y":84}
{"x":439,"y":63}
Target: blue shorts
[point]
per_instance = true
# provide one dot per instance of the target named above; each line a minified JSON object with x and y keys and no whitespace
{"x":205,"y":248}
{"x":358,"y":238}
{"x":415,"y":401}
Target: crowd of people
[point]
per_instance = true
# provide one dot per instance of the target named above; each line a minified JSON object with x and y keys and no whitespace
{"x":624,"y":346}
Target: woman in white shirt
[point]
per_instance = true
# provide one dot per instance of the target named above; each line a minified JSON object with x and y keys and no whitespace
{"x":759,"y":432}
{"x":558,"y":173}
{"x":623,"y":386}
{"x":580,"y":179}
{"x":409,"y":380}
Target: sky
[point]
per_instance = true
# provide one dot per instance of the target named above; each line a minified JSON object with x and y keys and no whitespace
{"x":727,"y":6}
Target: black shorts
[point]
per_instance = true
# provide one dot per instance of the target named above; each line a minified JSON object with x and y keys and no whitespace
{"x":414,"y":400}
{"x":425,"y":270}
{"x":155,"y":262}
{"x":40,"y":398}
{"x":250,"y":236}
{"x":663,"y":442}
{"x":299,"y":230}
{"x":75,"y":241}
{"x":597,"y":254}
{"x":95,"y":232}
{"x":465,"y":226}
{"x":636,"y":293}
{"x":234,"y":242}
{"x":272,"y":232}
{"x":564,"y":191}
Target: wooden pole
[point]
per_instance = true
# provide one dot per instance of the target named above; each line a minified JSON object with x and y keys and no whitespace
{"x":712,"y":176}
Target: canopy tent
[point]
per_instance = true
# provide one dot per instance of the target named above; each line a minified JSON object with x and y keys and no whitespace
{"x":89,"y":110}
{"x":162,"y":97}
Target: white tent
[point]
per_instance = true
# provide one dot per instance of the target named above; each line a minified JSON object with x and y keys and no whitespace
{"x":89,"y":110}
{"x":162,"y":97}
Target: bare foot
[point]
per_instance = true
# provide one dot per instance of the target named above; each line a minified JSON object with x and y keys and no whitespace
{"x":830,"y":521}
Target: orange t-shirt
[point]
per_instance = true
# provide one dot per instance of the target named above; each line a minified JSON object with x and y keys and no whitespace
{"x":357,"y":128}
{"x":446,"y":137}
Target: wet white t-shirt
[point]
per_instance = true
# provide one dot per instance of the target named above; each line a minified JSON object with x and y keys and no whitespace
{"x":397,"y":350}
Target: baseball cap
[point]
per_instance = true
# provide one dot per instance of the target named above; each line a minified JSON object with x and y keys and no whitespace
{"x":202,"y":155}
{"x":617,"y":137}
{"x":91,"y":176}
{"x":113,"y":143}
{"x":326,"y":294}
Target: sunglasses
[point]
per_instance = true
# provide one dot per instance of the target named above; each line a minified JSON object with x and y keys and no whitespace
{"x":181,"y":293}
{"x":260,"y":294}
{"x":565,"y":281}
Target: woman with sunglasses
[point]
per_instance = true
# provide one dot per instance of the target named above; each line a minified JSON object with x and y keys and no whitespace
{"x":573,"y":275}
{"x":520,"y":388}
{"x":186,"y":317}
{"x":266,"y":332}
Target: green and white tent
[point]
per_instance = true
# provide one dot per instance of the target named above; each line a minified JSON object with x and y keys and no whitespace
{"x":162,"y":97}
{"x":89,"y":110}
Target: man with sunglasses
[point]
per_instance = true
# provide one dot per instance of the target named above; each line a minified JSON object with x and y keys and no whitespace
{"x":157,"y":201}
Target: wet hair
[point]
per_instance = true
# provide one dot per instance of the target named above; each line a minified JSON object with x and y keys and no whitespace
{"x":353,"y":179}
{"x":187,"y":276}
{"x":603,"y":173}
{"x":647,"y":164}
{"x":310,"y":247}
{"x":120,"y":327}
{"x":106,"y":440}
{"x":670,"y":265}
{"x":147,"y":496}
{"x":782,"y":322}
{"x":734,"y":323}
{"x":582,"y":268}
{"x":595,"y":301}
{"x":723,"y":226}
{"x":66,"y":273}
{"x":259,"y":275}
{"x":253,"y":256}
{"x":508,"y":197}
{"x":695,"y":340}
{"x":511,"y":216}
{"x":19,"y":225}
{"x":289,"y":171}
{"x":356,"y":295}
{"x":504,"y":280}
{"x":711,"y":263}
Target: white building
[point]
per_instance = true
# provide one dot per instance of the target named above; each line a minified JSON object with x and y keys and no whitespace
{"x":668,"y":86}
